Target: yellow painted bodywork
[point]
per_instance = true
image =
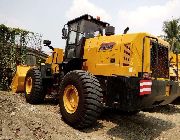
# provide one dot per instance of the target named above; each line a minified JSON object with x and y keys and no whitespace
{"x":174,"y":65}
{"x":70,"y":99}
{"x":98,"y":61}
{"x":17,"y":84}
{"x":55,"y":59}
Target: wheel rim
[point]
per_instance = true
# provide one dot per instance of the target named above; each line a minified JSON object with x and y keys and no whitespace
{"x":70,"y":99}
{"x":28,"y":85}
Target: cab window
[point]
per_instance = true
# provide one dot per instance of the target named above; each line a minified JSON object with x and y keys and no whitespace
{"x":72,"y":37}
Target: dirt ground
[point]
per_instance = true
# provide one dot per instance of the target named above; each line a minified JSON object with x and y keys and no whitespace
{"x":20,"y":120}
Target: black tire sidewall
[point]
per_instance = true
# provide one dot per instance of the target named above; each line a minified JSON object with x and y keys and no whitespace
{"x":36,"y":95}
{"x":76,"y":117}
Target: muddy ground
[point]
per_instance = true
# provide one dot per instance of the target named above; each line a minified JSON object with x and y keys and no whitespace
{"x":20,"y":120}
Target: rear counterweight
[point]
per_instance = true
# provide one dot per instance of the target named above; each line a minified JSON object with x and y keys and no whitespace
{"x":125,"y":93}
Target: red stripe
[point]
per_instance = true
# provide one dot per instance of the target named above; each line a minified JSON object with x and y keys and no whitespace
{"x":141,"y":81}
{"x":145,"y":93}
{"x":145,"y":86}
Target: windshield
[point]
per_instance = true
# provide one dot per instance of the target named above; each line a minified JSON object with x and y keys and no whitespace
{"x":90,"y":29}
{"x":87,"y":29}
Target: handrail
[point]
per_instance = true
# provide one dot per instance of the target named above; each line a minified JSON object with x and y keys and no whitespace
{"x":143,"y":53}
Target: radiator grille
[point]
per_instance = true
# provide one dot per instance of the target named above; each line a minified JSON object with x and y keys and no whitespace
{"x":159,"y":61}
{"x":127,"y":53}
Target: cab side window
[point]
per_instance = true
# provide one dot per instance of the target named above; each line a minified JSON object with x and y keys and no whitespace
{"x":72,"y":37}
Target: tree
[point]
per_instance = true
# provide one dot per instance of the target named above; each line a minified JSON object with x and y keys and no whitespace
{"x":172,"y":33}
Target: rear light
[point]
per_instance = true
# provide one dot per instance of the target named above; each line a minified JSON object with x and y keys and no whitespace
{"x":145,"y":87}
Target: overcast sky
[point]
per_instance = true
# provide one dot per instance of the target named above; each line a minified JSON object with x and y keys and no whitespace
{"x":48,"y":16}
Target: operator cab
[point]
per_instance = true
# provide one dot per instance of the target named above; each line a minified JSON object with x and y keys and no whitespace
{"x":78,"y":30}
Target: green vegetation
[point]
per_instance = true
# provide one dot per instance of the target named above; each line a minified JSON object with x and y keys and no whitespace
{"x":172,"y":34}
{"x":13,"y":49}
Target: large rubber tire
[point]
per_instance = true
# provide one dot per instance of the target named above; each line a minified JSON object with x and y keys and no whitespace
{"x":90,"y":99}
{"x":36,"y":95}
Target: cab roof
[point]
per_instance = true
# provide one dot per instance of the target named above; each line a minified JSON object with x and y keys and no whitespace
{"x":88,"y":18}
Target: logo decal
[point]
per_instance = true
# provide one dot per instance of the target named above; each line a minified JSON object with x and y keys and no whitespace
{"x":107,"y":46}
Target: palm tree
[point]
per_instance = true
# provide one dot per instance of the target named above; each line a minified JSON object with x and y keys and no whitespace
{"x":172,"y":33}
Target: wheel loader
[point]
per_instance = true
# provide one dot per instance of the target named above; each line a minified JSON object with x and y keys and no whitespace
{"x":98,"y":68}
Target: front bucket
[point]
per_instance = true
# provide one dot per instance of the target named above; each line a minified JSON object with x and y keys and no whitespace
{"x":17,"y":84}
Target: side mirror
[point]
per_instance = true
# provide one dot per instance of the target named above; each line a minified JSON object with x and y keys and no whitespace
{"x":126,"y":30}
{"x":64,"y":33}
{"x":48,"y":43}
{"x":110,"y":30}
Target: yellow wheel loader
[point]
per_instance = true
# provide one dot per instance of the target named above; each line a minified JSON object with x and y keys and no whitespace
{"x":129,"y":72}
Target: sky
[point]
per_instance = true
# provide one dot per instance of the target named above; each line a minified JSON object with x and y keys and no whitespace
{"x":48,"y":17}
